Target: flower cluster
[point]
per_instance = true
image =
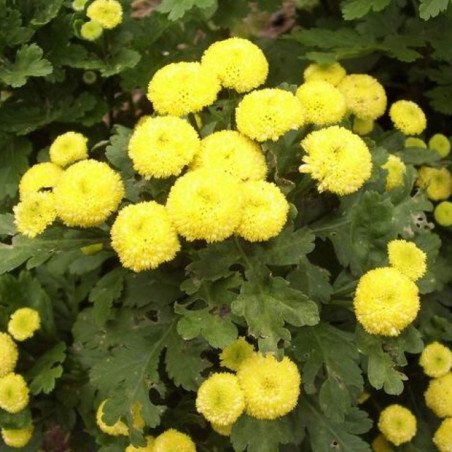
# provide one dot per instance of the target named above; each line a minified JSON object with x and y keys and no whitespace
{"x":397,"y":424}
{"x":263,"y":387}
{"x":387,"y":298}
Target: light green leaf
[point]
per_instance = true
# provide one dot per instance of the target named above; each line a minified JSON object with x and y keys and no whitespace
{"x":431,"y":8}
{"x":355,"y":9}
{"x":28,"y":63}
{"x":178,"y":8}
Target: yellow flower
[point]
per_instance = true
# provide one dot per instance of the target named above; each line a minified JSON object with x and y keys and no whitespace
{"x":363,"y":126}
{"x":23,"y":323}
{"x":144,"y":237}
{"x":267,"y":114}
{"x":386,"y":301}
{"x":364,"y":95}
{"x":271,"y":387}
{"x":181,"y":88}
{"x":397,"y":424}
{"x":440,"y":143}
{"x":161,"y":147}
{"x":407,"y":258}
{"x":233,"y":153}
{"x":331,"y":73}
{"x":443,"y":436}
{"x":408,"y":117}
{"x":338,"y":159}
{"x":220,"y":399}
{"x":437,"y":181}
{"x":150,"y":441}
{"x":264,"y":212}
{"x":117,"y":429}
{"x":323,"y":103}
{"x":443,"y":213}
{"x":438,"y":396}
{"x":34,"y":213}
{"x":13,"y":393}
{"x":8,"y":354}
{"x":234,"y":354}
{"x":68,"y":148}
{"x":238,"y":63}
{"x":415,"y":142}
{"x":205,"y":205}
{"x":91,"y":30}
{"x":223,"y":430}
{"x":436,"y":360}
{"x":173,"y":441}
{"x":396,"y":170}
{"x":18,"y":437}
{"x":380,"y":444}
{"x":88,"y":193}
{"x":41,"y":176}
{"x":108,"y":13}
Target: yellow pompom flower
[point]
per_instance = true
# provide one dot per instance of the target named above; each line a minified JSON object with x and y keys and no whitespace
{"x":13,"y":393}
{"x":438,"y":396}
{"x":363,"y":126}
{"x":23,"y":323}
{"x":220,"y":399}
{"x":436,"y":181}
{"x":88,"y":193}
{"x":234,"y":354}
{"x":407,"y":258}
{"x":397,"y":424}
{"x":267,"y":114}
{"x":381,"y":444}
{"x":38,"y":177}
{"x":338,"y":159}
{"x":34,"y":213}
{"x":144,"y":237}
{"x":364,"y":95}
{"x":408,"y":117}
{"x":108,"y":13}
{"x":396,"y":170}
{"x":171,"y":440}
{"x":91,"y":30}
{"x":323,"y":103}
{"x":436,"y":360}
{"x":68,"y":148}
{"x":415,"y":142}
{"x":8,"y":354}
{"x":223,"y":430}
{"x":264,"y":211}
{"x":149,"y":447}
{"x":181,"y":88}
{"x":233,"y":153}
{"x":18,"y":437}
{"x":238,"y":63}
{"x":440,"y":143}
{"x":330,"y":73}
{"x":443,"y":213}
{"x":205,"y":205}
{"x":443,"y":436}
{"x":386,"y":301}
{"x":161,"y":147}
{"x":117,"y":429}
{"x":271,"y":387}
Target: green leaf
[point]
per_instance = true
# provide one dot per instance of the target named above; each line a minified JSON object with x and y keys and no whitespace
{"x":184,"y":363}
{"x":44,"y":11}
{"x":7,"y":226}
{"x":256,"y":435}
{"x":355,"y":9}
{"x":327,"y":434}
{"x":47,"y":369}
{"x":318,"y":348}
{"x":267,"y":306}
{"x":116,"y":151}
{"x":28,"y":63}
{"x":418,"y":156}
{"x":178,"y":8}
{"x":431,"y":8}
{"x":217,"y":330}
{"x":105,"y":292}
{"x":15,"y":151}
